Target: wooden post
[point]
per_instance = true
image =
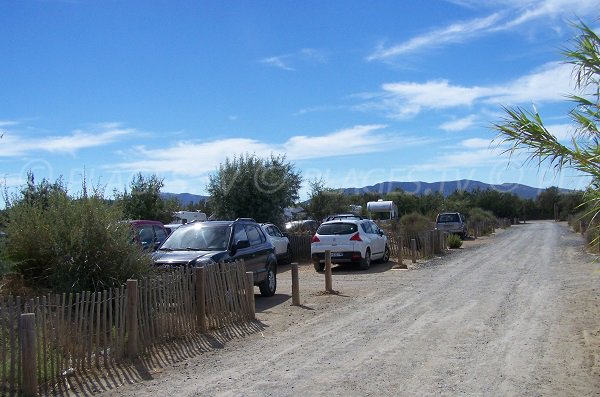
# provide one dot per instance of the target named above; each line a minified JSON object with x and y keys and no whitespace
{"x":28,"y":354}
{"x":413,"y":250}
{"x":250,"y":293}
{"x":132,"y":318}
{"x":201,"y":299}
{"x":475,"y":230}
{"x":328,"y":279}
{"x":400,"y":253}
{"x":295,"y":285}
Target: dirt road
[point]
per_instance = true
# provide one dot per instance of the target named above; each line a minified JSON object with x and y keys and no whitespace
{"x":518,"y":315}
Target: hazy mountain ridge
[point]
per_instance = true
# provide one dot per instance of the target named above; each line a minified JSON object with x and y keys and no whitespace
{"x":449,"y":187}
{"x":445,"y":187}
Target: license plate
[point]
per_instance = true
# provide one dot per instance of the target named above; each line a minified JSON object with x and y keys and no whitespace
{"x":337,"y":254}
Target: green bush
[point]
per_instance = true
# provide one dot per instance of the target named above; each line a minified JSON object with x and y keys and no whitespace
{"x":70,"y":243}
{"x":415,"y":222}
{"x":454,"y":241}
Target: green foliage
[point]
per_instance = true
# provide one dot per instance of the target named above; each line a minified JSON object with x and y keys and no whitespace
{"x":145,"y":202}
{"x":454,"y":241}
{"x":524,"y":130}
{"x":249,"y":186}
{"x":415,"y":222}
{"x":325,"y":201}
{"x":70,"y":243}
{"x":481,"y":215}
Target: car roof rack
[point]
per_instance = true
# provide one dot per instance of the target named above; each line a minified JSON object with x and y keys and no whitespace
{"x":246,"y":219}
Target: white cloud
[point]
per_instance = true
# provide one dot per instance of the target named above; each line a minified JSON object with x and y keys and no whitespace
{"x":18,"y":144}
{"x":562,"y":132}
{"x":476,"y":143}
{"x":286,"y":61}
{"x":450,"y":34}
{"x":277,"y":62}
{"x":458,"y":124}
{"x":195,"y":159}
{"x":476,"y":158}
{"x":8,"y":123}
{"x":513,"y":13}
{"x":550,"y":83}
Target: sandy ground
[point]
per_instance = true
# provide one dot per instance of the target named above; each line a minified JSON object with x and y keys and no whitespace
{"x":514,"y":314}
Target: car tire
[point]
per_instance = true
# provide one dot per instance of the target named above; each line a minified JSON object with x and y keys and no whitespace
{"x":319,"y":267}
{"x":269,"y":285}
{"x":365,"y":264}
{"x":386,"y":255}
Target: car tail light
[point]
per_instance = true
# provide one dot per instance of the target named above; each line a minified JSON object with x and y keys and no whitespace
{"x":315,"y":239}
{"x":356,"y":237}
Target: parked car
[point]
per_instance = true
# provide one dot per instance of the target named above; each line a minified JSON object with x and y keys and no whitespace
{"x":280,"y":241}
{"x":350,"y":241}
{"x":209,"y":242}
{"x":149,"y":234}
{"x":452,"y":222}
{"x":342,"y":216}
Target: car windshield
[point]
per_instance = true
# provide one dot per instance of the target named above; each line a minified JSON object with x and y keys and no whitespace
{"x":446,"y":218}
{"x":198,"y":238}
{"x":337,"y":228}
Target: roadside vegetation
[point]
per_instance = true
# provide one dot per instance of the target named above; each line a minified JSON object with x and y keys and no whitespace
{"x":524,"y":131}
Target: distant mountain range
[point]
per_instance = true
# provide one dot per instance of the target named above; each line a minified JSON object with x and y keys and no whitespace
{"x":185,"y":198}
{"x":446,"y":188}
{"x":449,"y":187}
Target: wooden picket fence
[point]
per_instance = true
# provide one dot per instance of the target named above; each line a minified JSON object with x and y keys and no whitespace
{"x":81,"y":332}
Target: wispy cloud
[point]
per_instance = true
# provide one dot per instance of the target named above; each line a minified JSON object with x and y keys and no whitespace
{"x":513,"y":13}
{"x":289,"y":61}
{"x":194,"y":159}
{"x":454,"y":33}
{"x":15,"y":143}
{"x":458,"y":124}
{"x":8,"y":123}
{"x":401,"y":100}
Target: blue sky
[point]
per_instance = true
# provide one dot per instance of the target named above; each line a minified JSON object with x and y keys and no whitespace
{"x":353,"y":92}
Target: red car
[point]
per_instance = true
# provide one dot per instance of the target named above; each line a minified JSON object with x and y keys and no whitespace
{"x":149,"y":234}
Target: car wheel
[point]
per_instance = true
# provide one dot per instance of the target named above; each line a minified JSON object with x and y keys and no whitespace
{"x":386,"y":255}
{"x":320,"y":267}
{"x":366,"y":262}
{"x":269,"y":285}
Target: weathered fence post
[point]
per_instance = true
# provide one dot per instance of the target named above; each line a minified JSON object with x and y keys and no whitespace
{"x":413,"y":250}
{"x":328,"y":278}
{"x":132,"y":318}
{"x":295,"y":285}
{"x":28,"y":356}
{"x":400,"y":252}
{"x":250,"y":293}
{"x":475,"y":231}
{"x":200,"y":298}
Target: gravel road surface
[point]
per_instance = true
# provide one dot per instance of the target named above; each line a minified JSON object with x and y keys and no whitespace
{"x":514,"y":314}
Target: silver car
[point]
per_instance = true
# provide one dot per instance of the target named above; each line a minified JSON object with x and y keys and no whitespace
{"x":452,"y":222}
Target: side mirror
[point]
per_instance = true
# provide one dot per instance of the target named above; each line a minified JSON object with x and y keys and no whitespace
{"x":239,"y":245}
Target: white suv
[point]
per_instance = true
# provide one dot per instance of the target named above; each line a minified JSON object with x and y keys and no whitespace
{"x":350,"y":241}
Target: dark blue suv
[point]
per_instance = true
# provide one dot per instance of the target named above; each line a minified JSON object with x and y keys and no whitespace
{"x":202,"y":243}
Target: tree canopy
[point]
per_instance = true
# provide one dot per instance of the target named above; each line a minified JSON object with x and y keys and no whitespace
{"x":250,"y":186}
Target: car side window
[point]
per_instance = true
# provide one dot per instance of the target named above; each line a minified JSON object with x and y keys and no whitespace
{"x":375,"y":228}
{"x":254,"y":235}
{"x":276,"y":231}
{"x":271,"y":231}
{"x":161,"y":235}
{"x":239,"y":234}
{"x":367,"y":227}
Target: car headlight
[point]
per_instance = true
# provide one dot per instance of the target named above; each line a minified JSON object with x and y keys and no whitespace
{"x":203,"y":262}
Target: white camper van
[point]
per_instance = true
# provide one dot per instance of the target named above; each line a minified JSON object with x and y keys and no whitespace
{"x":181,"y":217}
